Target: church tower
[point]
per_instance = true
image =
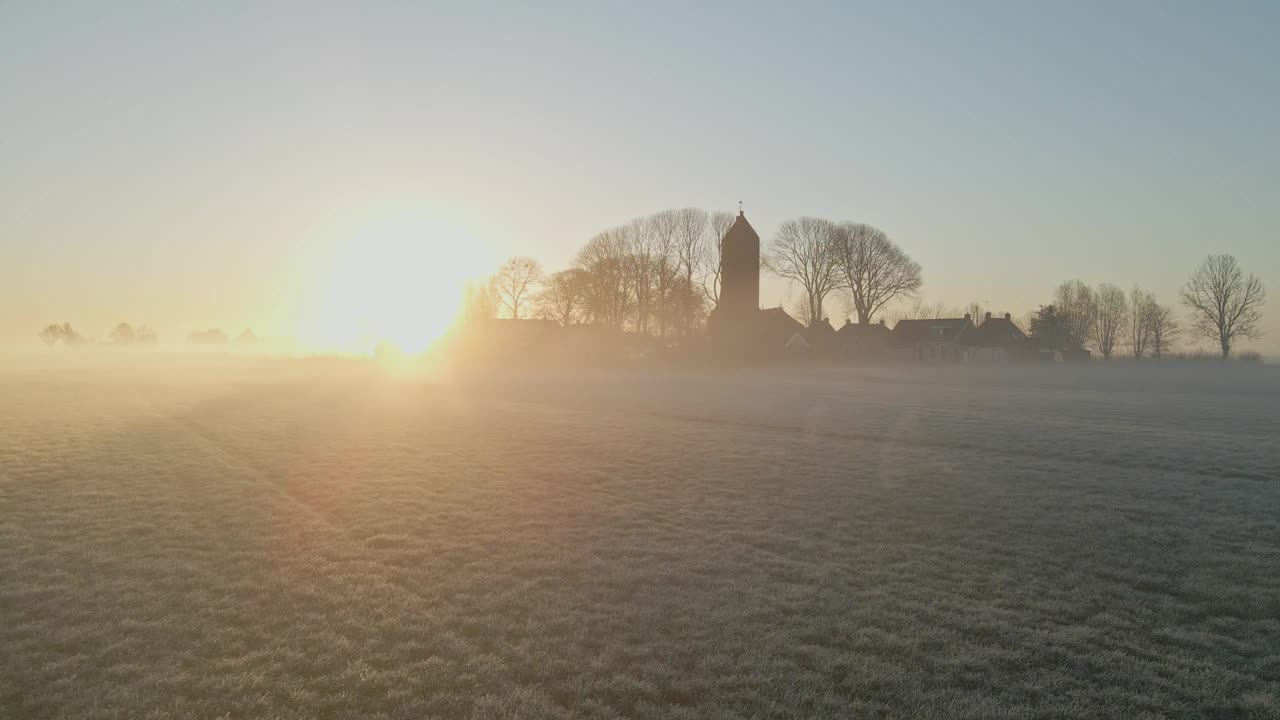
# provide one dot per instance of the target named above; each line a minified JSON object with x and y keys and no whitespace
{"x":740,"y":270}
{"x":737,"y":312}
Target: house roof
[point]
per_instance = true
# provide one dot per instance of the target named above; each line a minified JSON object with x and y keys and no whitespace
{"x":859,"y":330}
{"x":994,"y":332}
{"x":775,"y":327}
{"x":909,"y":331}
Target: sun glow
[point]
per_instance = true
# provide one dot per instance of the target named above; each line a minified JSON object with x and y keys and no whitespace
{"x":397,"y":279}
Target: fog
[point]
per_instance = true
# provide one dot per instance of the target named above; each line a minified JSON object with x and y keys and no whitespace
{"x":211,"y":535}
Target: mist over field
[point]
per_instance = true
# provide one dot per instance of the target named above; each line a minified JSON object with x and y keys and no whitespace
{"x":237,"y":537}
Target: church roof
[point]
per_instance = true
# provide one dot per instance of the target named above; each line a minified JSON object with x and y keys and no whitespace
{"x":741,"y":231}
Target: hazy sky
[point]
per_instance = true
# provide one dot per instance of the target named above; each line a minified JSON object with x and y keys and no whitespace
{"x":293,"y":167}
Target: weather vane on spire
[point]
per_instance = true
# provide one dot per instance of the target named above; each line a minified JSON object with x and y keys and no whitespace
{"x":739,"y":207}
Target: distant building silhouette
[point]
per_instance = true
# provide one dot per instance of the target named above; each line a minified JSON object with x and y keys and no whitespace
{"x":735,"y":324}
{"x":936,"y":340}
{"x":740,"y":271}
{"x":738,"y":329}
{"x":997,"y":340}
{"x":859,"y":341}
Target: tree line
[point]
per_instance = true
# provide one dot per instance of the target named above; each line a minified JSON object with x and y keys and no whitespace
{"x":660,"y":274}
{"x":126,"y":335}
{"x":1223,"y":305}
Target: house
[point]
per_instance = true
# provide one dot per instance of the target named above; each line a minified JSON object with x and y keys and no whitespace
{"x":862,"y":341}
{"x":996,"y":340}
{"x":775,"y":334}
{"x":930,"y":340}
{"x":821,"y":338}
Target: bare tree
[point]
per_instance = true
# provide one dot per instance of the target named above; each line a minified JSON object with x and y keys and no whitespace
{"x":478,"y":301}
{"x":515,"y":283}
{"x":717,"y":227}
{"x":691,"y":233}
{"x":1163,"y":328}
{"x":918,"y":309}
{"x":691,"y":307}
{"x":608,"y":287}
{"x":1141,"y":308}
{"x":804,"y":252}
{"x":123,"y":334}
{"x":50,"y":334}
{"x":1111,"y":312}
{"x":1075,"y":311}
{"x":664,"y":243}
{"x":874,"y":270}
{"x":563,"y":297}
{"x":977,"y":311}
{"x":1225,"y":305}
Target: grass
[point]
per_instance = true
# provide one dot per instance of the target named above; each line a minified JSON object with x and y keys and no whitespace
{"x":257,"y":542}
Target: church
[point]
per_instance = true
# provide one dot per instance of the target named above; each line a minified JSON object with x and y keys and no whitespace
{"x":737,"y":326}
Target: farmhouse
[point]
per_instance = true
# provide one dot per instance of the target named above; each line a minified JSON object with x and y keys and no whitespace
{"x":862,"y":341}
{"x":996,"y":340}
{"x":930,"y":340}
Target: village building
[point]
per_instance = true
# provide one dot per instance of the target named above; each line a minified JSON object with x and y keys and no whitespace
{"x":862,"y":341}
{"x":997,"y":339}
{"x":738,"y":329}
{"x":935,"y":340}
{"x":822,"y":340}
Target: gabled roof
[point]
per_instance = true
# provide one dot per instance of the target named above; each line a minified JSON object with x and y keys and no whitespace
{"x":820,"y":331}
{"x":859,"y":330}
{"x":994,"y":332}
{"x":942,"y":329}
{"x":775,"y":327}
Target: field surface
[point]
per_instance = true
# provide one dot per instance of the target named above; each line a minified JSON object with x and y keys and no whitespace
{"x":296,"y":540}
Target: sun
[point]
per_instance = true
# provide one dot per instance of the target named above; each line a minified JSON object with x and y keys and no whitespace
{"x":397,"y":279}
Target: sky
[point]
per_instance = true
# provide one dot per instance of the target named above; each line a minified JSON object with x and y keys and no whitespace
{"x":296,"y":167}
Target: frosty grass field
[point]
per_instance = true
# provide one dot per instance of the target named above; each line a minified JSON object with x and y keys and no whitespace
{"x":300,"y":540}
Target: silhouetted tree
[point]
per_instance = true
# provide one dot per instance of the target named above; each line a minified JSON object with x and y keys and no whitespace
{"x":1163,"y":328}
{"x":1049,"y":328}
{"x":516,"y":283}
{"x":691,"y":233}
{"x":1142,"y":305}
{"x":564,"y":296}
{"x":478,"y":301}
{"x":718,"y":225}
{"x":604,"y":259}
{"x":1111,"y":312}
{"x":1076,"y":305}
{"x":804,"y":252}
{"x":918,"y":309}
{"x":50,"y":334}
{"x":64,"y":333}
{"x":123,"y":334}
{"x":690,"y":307}
{"x":664,"y":241}
{"x":874,"y":270}
{"x":977,"y":311}
{"x":1225,"y":304}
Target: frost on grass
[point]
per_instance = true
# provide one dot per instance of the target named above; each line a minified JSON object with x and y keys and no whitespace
{"x":945,"y":542}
